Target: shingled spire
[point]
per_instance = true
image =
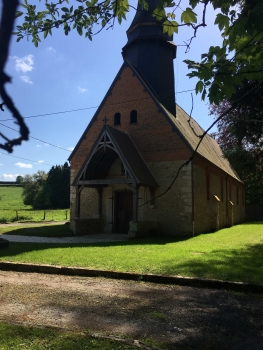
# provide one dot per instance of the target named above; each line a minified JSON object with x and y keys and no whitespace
{"x":152,"y":52}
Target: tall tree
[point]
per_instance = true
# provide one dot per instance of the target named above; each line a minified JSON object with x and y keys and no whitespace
{"x":32,"y":185}
{"x":57,"y":186}
{"x":240,"y":135}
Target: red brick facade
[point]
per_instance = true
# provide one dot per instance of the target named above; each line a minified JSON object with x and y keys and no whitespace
{"x":199,"y":200}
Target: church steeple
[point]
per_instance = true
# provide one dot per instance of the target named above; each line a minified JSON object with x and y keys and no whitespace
{"x":152,"y":52}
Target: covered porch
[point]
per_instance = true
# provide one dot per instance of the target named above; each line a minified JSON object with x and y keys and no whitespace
{"x":108,"y":187}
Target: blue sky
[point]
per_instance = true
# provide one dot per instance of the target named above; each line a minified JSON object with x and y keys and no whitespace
{"x":73,"y":74}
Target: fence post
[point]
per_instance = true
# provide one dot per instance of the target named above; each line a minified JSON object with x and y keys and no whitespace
{"x":44,"y":218}
{"x":66,"y":215}
{"x":16,"y":215}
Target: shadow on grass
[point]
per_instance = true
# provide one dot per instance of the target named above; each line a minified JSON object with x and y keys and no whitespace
{"x":232,"y":265}
{"x":39,"y":231}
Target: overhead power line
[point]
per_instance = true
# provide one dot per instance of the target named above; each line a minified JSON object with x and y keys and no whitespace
{"x":86,"y":108}
{"x":69,"y":111}
{"x":32,"y":137}
{"x":30,"y":160}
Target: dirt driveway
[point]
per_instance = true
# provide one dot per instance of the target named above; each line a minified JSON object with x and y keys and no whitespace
{"x":179,"y":317}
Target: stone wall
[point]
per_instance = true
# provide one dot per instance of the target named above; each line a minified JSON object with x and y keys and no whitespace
{"x":173,"y":210}
{"x":218,"y":199}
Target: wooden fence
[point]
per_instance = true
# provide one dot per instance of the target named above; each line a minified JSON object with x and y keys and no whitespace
{"x":7,"y":215}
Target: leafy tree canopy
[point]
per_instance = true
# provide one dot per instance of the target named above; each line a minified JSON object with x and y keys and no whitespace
{"x":240,"y":135}
{"x":48,"y":190}
{"x":221,"y":69}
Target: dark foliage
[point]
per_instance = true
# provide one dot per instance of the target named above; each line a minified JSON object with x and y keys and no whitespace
{"x":240,"y":135}
{"x":46,"y":191}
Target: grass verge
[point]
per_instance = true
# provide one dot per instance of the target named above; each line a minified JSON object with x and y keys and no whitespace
{"x":17,"y":337}
{"x":233,"y":254}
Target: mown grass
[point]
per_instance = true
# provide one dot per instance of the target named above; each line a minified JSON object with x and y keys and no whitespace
{"x":19,"y":338}
{"x":12,"y":208}
{"x":230,"y":254}
{"x":10,"y":198}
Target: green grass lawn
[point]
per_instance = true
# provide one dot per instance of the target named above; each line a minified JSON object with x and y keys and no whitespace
{"x":230,"y":254}
{"x":10,"y":198}
{"x":19,"y":338}
{"x":12,"y":208}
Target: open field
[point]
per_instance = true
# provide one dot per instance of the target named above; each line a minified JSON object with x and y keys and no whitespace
{"x":10,"y":198}
{"x":12,"y":208}
{"x":233,"y":254}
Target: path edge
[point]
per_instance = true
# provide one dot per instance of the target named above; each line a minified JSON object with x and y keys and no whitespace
{"x":153,"y":278}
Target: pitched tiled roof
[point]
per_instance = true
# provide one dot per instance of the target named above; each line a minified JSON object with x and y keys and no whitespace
{"x":208,"y":148}
{"x":122,"y":146}
{"x":132,"y":156}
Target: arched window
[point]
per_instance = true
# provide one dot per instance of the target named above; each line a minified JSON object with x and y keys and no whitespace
{"x":133,"y":117}
{"x":117,"y":119}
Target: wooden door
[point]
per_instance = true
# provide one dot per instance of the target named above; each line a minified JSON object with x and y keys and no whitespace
{"x":123,"y":211}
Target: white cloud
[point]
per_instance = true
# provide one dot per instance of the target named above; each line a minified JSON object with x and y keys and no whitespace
{"x":46,"y":144}
{"x":1,"y":164}
{"x":23,"y":165}
{"x":24,"y":64}
{"x":70,"y":148}
{"x":82,"y":89}
{"x":9,"y":177}
{"x":51,"y":49}
{"x":38,"y":146}
{"x":26,"y":79}
{"x":40,"y":161}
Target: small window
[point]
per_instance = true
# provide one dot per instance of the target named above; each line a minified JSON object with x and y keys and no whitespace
{"x":133,"y":117}
{"x":117,"y":119}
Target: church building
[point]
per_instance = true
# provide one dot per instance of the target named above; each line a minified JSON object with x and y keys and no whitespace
{"x":126,"y":170}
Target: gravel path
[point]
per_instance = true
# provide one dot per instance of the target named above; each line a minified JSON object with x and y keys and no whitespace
{"x":180,"y":318}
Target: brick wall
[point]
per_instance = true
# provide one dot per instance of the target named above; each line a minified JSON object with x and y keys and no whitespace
{"x":164,"y":151}
{"x":152,"y":134}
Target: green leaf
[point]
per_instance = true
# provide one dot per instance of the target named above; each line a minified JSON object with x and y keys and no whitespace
{"x":65,"y":9}
{"x":19,"y":13}
{"x":189,"y":16}
{"x":170,"y":27}
{"x":193,"y":3}
{"x":222,"y":21}
{"x":199,"y":87}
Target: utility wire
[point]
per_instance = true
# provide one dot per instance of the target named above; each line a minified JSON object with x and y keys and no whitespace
{"x":50,"y":144}
{"x":86,"y":108}
{"x":30,"y":160}
{"x":70,"y":111}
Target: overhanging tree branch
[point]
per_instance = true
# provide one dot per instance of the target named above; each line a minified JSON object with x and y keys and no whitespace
{"x":6,"y":27}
